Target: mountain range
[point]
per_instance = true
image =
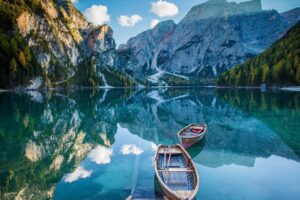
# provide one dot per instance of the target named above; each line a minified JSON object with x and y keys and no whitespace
{"x":211,"y":38}
{"x":54,"y":46}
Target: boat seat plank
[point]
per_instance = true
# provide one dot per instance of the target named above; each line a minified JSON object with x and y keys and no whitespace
{"x":173,"y":151}
{"x":176,"y":161}
{"x":176,"y":170}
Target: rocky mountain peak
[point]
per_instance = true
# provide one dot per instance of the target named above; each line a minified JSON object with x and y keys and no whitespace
{"x":218,"y":2}
{"x":222,"y":8}
{"x":100,"y":39}
{"x":103,"y":31}
{"x":210,"y":39}
{"x":165,"y":24}
{"x":292,"y":15}
{"x":250,"y":6}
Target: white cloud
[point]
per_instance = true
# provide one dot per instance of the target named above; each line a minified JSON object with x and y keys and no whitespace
{"x":97,"y":14}
{"x":100,"y":155}
{"x":74,"y":1}
{"x":164,"y":9}
{"x":129,"y":21}
{"x":131,"y":149}
{"x":80,"y":172}
{"x":154,"y":22}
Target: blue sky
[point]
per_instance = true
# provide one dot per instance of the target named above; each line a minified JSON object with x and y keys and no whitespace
{"x":130,"y":17}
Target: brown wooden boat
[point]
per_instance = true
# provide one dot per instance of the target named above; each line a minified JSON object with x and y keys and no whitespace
{"x":191,"y":134}
{"x":176,"y":172}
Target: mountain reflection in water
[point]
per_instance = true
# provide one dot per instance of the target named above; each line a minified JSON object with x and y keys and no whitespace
{"x":97,"y":144}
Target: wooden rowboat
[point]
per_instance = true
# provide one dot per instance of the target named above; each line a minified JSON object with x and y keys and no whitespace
{"x":176,"y":172}
{"x":191,"y":134}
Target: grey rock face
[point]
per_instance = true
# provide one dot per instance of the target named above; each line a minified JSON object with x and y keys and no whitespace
{"x":211,"y":38}
{"x":292,"y":16}
{"x":63,"y":39}
{"x":145,"y":47}
{"x":101,"y":46}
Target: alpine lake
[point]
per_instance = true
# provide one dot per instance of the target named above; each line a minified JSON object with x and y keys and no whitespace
{"x":100,"y":144}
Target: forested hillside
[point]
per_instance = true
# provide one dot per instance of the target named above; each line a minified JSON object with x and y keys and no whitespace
{"x":49,"y":44}
{"x":17,"y":64}
{"x":279,"y":65}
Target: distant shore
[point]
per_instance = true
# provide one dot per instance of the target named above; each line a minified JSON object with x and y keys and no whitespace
{"x":288,"y":88}
{"x":2,"y":90}
{"x":103,"y":88}
{"x":292,"y":88}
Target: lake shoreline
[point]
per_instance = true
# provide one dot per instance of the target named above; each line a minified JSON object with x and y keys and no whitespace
{"x":98,"y":88}
{"x":3,"y":90}
{"x":292,"y":88}
{"x":288,"y":88}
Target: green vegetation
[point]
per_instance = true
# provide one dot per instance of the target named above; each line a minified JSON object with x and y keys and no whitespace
{"x":173,"y":80}
{"x":17,"y":171}
{"x":17,"y":65}
{"x":279,"y":65}
{"x":11,"y":9}
{"x":117,"y":78}
{"x":86,"y":75}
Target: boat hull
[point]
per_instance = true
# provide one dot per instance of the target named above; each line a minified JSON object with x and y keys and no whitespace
{"x":188,"y":142}
{"x":167,"y":193}
{"x":186,"y":191}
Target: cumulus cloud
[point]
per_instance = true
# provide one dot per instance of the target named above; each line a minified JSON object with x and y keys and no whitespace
{"x":74,"y":1}
{"x":100,"y":155}
{"x":154,"y":22}
{"x":129,"y":21}
{"x":80,"y":172}
{"x":97,"y":14}
{"x":131,"y":149}
{"x":164,"y":9}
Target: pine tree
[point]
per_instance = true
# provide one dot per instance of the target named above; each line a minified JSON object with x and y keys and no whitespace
{"x":27,"y":54}
{"x":238,"y":80}
{"x":13,"y":68}
{"x":266,"y":74}
{"x":4,"y":45}
{"x":288,"y":72}
{"x":13,"y":47}
{"x":278,"y":73}
{"x":22,"y":59}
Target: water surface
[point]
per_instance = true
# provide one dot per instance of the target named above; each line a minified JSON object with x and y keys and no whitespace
{"x":100,"y":144}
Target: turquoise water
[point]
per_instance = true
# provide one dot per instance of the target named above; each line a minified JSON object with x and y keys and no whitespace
{"x":100,"y":144}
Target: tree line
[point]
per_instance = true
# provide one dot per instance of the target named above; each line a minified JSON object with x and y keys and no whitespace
{"x":277,"y":66}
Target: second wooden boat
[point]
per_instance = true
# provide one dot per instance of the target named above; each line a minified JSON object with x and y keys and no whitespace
{"x":176,"y":172}
{"x":191,"y":134}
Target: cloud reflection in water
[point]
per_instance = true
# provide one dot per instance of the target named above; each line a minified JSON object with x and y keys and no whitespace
{"x":131,"y":149}
{"x":79,"y":173}
{"x":100,"y":155}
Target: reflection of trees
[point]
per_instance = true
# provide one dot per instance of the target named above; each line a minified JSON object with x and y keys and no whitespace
{"x":280,"y":111}
{"x":232,"y":135}
{"x":49,"y":138}
{"x":45,"y":141}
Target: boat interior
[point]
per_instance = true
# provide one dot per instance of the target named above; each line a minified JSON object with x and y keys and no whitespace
{"x":192,"y":131}
{"x":176,"y":171}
